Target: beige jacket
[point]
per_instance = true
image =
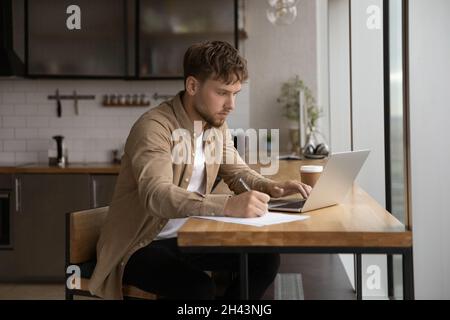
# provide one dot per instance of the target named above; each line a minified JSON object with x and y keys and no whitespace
{"x":151,"y":189}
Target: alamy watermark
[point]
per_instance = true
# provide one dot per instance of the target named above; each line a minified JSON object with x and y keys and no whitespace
{"x":373,"y":281}
{"x":73,"y":279}
{"x":219,"y":147}
{"x":374,"y":18}
{"x":73,"y":21}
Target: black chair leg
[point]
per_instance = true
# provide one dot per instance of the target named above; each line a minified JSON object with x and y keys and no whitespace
{"x":69,"y":295}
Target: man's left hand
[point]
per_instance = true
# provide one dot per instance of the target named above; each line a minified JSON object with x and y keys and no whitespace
{"x":287,"y":188}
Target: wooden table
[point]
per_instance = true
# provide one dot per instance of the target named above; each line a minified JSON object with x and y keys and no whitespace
{"x":359,"y":226}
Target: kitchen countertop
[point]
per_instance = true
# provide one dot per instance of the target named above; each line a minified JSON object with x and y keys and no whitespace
{"x":110,"y":168}
{"x":88,"y":167}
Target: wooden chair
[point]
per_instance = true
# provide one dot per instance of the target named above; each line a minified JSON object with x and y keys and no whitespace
{"x":82,"y":233}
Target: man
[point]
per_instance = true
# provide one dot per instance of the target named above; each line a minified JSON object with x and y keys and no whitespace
{"x":155,"y":194}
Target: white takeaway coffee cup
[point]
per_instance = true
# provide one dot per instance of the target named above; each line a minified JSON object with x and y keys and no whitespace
{"x":310,"y":174}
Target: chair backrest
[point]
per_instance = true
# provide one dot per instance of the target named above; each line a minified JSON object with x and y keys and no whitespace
{"x":83,"y":233}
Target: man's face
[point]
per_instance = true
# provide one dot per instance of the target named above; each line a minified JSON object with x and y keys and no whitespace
{"x":215,"y":100}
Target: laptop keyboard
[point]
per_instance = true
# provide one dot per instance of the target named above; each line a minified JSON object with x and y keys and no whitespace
{"x":287,"y":204}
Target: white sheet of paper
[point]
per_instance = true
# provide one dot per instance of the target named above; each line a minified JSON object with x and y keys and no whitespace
{"x":268,"y":219}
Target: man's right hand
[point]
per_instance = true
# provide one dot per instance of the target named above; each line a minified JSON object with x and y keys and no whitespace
{"x":249,"y":204}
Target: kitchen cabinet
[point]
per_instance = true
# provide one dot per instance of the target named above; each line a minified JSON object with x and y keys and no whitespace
{"x":129,"y":39}
{"x":39,"y":225}
{"x":47,"y":198}
{"x":6,"y":203}
{"x":39,"y":206}
{"x":102,"y":189}
{"x":168,"y":27}
{"x":99,"y":48}
{"x":16,"y":259}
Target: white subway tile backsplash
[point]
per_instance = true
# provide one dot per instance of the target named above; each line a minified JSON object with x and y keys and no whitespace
{"x":47,"y":109}
{"x":26,"y":133}
{"x":127,"y":121}
{"x":77,"y":156}
{"x":85,"y":122}
{"x":6,"y":133}
{"x":67,"y":109}
{"x":26,"y":157}
{"x":26,"y":110}
{"x":74,"y":133}
{"x":13,"y":97}
{"x":48,"y":133}
{"x":37,"y":122}
{"x":63,"y":122}
{"x":37,"y":97}
{"x":22,"y":85}
{"x":101,"y":133}
{"x":43,"y":156}
{"x":100,"y":156}
{"x":104,"y":111}
{"x":118,"y":133}
{"x":38,"y":145}
{"x":13,"y":122}
{"x":7,"y":157}
{"x":106,"y":121}
{"x":14,"y":145}
{"x":88,"y":145}
{"x":27,"y":116}
{"x":5,"y":86}
{"x":108,"y":144}
{"x":6,"y":110}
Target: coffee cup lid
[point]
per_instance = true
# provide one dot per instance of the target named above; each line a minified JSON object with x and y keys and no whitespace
{"x":311,"y":169}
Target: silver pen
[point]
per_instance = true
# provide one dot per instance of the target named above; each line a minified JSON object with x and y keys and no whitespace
{"x":248,"y":189}
{"x":244,"y":185}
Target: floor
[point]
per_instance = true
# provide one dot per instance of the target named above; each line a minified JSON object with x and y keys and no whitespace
{"x":31,"y":291}
{"x":322,"y":277}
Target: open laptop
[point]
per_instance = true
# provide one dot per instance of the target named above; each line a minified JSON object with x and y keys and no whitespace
{"x":332,"y":186}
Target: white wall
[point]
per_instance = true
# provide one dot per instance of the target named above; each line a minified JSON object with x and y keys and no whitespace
{"x":430,"y":147}
{"x":323,"y":69}
{"x":276,"y":54}
{"x":339,"y":64}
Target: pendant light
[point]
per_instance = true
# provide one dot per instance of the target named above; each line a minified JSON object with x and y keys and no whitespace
{"x":281,"y":12}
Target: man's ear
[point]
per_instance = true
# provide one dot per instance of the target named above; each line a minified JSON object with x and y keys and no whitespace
{"x":192,"y":85}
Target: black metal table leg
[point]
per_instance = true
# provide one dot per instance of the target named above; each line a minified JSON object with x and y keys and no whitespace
{"x":408,"y":274}
{"x":390,"y":276}
{"x":354,"y":272}
{"x":358,"y":272}
{"x":244,"y":275}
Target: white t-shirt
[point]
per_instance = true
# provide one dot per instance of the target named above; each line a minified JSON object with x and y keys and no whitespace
{"x":197,"y":184}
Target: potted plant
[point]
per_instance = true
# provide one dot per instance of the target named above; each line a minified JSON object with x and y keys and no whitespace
{"x":290,"y":100}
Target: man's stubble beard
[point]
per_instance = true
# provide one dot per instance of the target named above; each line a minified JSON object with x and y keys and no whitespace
{"x":208,"y":118}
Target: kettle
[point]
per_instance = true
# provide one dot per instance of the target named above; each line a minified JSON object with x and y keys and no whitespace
{"x":61,"y":152}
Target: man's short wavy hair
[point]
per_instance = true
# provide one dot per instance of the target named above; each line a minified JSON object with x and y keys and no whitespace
{"x":216,"y":60}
